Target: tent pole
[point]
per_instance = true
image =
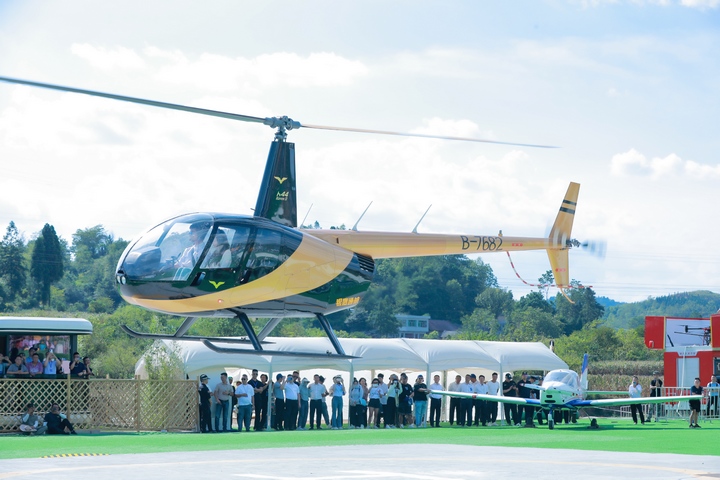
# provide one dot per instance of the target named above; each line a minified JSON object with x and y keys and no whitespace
{"x":427,"y":384}
{"x":271,"y":394}
{"x":443,"y":406}
{"x":502,"y":394}
{"x":350,"y":382}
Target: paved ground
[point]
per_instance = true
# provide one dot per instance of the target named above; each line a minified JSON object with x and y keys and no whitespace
{"x":422,"y":462}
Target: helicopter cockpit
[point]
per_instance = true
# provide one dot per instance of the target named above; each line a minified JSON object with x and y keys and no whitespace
{"x":172,"y":250}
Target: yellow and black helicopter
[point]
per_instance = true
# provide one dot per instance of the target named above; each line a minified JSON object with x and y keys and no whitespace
{"x":264,"y":266}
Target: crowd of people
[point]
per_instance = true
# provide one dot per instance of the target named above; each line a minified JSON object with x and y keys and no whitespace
{"x":301,"y":404}
{"x":37,"y":365}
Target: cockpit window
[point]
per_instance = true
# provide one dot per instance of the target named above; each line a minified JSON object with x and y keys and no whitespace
{"x":169,"y":251}
{"x":567,"y":377}
{"x":227,"y":248}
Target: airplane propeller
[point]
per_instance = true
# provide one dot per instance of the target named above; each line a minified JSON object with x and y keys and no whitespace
{"x":282,"y":124}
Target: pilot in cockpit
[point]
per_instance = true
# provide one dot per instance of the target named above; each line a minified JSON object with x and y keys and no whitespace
{"x":197,"y":234}
{"x":219,"y":255}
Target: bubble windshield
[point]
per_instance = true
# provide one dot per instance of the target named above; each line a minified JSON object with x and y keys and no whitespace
{"x":567,"y":377}
{"x":169,"y":251}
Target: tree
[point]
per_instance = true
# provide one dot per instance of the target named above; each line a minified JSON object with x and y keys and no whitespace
{"x":532,"y":324}
{"x":546,"y":280}
{"x":383,"y":321}
{"x":47,"y":261}
{"x":12,"y":266}
{"x":534,"y":300}
{"x":95,"y":240}
{"x":480,"y":321}
{"x":496,"y":300}
{"x":581,"y":309}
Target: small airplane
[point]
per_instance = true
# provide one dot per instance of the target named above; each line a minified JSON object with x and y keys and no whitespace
{"x":564,"y":390}
{"x":264,"y":266}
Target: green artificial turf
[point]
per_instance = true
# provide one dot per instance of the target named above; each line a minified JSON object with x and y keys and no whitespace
{"x":613,"y":435}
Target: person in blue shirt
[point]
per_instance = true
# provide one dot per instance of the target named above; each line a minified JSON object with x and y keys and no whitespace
{"x":713,"y":394}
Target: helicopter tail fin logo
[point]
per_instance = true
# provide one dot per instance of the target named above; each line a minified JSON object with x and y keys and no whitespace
{"x":277,"y":200}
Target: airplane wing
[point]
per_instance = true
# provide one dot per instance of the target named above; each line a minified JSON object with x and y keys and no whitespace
{"x":492,"y":398}
{"x":613,"y":402}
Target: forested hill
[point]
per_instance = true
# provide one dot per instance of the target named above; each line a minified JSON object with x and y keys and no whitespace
{"x":699,"y":304}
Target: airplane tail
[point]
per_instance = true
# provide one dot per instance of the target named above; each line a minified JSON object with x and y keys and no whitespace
{"x":277,"y":199}
{"x":584,"y":373}
{"x":560,"y":235}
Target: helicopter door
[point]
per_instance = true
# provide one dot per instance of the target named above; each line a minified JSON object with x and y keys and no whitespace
{"x":264,"y":254}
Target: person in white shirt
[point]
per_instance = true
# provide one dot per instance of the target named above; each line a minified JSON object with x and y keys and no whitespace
{"x":292,"y":403}
{"x":481,"y":405}
{"x":492,"y":407}
{"x":466,"y":403}
{"x":635,"y":391}
{"x":435,"y":402}
{"x":245,"y":394}
{"x":317,"y":398}
{"x":454,"y":401}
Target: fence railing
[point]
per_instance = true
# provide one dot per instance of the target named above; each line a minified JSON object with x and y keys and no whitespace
{"x":98,"y":404}
{"x":709,"y":406}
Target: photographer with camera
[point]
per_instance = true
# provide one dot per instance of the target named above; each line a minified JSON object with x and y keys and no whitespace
{"x":393,"y":395}
{"x":337,"y":391}
{"x":406,"y":402}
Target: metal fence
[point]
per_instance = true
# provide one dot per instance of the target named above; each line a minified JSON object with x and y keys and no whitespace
{"x":139,"y":405}
{"x":709,"y":406}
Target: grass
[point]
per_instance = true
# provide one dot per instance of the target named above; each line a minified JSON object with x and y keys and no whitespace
{"x":614,"y":435}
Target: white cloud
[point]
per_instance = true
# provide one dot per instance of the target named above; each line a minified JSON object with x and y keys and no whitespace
{"x":106,"y":58}
{"x":701,"y":4}
{"x":224,"y":73}
{"x":635,"y":163}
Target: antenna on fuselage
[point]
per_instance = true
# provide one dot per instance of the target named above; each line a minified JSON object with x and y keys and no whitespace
{"x":421,"y":219}
{"x":354,"y":229}
{"x":306,"y":215}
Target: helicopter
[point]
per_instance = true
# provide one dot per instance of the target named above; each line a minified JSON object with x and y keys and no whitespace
{"x":209,"y":264}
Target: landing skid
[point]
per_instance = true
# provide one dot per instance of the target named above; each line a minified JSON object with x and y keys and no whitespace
{"x":257,"y":341}
{"x":159,"y":336}
{"x":328,"y":354}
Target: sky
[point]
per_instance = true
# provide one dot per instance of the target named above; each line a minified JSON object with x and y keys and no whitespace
{"x":628,"y":89}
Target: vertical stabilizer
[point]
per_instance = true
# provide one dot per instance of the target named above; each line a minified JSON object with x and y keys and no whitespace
{"x":560,"y":234}
{"x":277,"y":200}
{"x":584,"y":373}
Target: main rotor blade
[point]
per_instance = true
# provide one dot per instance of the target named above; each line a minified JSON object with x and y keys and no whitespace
{"x":153,"y":103}
{"x":273,"y":122}
{"x":422,"y":135}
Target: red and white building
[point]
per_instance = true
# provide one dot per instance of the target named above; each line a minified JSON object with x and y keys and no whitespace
{"x":691,"y":345}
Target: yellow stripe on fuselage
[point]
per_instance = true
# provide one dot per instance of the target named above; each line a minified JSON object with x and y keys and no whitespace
{"x":312,"y":265}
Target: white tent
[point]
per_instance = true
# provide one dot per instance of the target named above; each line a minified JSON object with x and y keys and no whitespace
{"x":445,"y":357}
{"x":394,"y":354}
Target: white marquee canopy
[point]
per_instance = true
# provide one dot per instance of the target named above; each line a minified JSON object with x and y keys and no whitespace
{"x":396,"y":354}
